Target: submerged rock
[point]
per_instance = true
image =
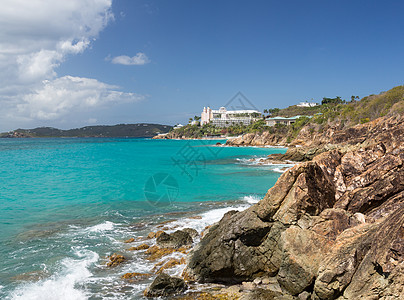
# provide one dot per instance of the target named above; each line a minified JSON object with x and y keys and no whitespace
{"x":134,"y":277}
{"x":140,"y":247}
{"x":164,"y":285}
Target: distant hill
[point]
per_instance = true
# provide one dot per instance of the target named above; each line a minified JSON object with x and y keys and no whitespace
{"x":120,"y":130}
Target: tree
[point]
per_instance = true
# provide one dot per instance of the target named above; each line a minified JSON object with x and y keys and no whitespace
{"x":265,"y":111}
{"x":336,"y":100}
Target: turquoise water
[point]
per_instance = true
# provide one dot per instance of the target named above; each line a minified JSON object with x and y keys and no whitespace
{"x":67,"y":203}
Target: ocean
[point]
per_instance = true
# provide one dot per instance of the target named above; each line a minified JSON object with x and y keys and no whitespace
{"x":68,"y":203}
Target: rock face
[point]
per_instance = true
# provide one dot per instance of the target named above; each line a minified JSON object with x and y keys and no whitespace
{"x":164,"y":285}
{"x":330,"y":227}
{"x":175,"y":240}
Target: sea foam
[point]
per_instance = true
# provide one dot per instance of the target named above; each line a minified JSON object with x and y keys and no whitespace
{"x":61,"y":286}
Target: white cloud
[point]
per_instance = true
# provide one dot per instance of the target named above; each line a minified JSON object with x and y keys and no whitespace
{"x":36,"y":36}
{"x":58,"y":97}
{"x":139,"y":59}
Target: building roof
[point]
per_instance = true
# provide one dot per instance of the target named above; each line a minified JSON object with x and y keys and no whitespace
{"x":245,"y":111}
{"x":284,"y":118}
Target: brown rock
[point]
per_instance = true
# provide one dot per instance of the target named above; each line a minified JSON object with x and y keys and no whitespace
{"x":131,"y":240}
{"x":151,"y":235}
{"x":115,"y":260}
{"x":140,"y":247}
{"x":135,"y":277}
{"x":168,"y":265}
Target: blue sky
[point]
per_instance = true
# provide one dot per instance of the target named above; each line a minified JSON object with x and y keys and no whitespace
{"x":85,"y":62}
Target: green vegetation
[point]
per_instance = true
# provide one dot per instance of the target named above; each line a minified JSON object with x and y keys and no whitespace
{"x":295,"y":110}
{"x":333,"y":110}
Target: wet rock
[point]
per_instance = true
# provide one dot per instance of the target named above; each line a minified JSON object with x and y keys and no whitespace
{"x":151,"y":235}
{"x":165,"y":285}
{"x":135,"y":277}
{"x":168,"y":265}
{"x":131,"y":240}
{"x":156,"y":252}
{"x":140,"y":247}
{"x":115,"y":260}
{"x":176,"y":239}
{"x":192,"y":232}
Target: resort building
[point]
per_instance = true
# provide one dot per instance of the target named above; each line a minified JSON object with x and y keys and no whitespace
{"x":281,"y":120}
{"x":307,"y":104}
{"x":226,"y":118}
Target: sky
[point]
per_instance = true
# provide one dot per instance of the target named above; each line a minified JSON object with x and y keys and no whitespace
{"x":74,"y":63}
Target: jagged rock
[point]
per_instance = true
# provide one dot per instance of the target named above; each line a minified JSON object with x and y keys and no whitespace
{"x":192,"y":232}
{"x":168,"y":265}
{"x":131,"y":240}
{"x":134,"y":277}
{"x":176,"y":239}
{"x":115,"y":260}
{"x":334,"y":224}
{"x":140,"y":247}
{"x":155,"y":252}
{"x":164,"y":285}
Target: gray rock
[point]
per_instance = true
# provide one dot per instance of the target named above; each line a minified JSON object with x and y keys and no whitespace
{"x":175,"y":240}
{"x":165,"y":285}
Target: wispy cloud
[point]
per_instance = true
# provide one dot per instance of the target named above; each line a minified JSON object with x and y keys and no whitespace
{"x":139,"y":59}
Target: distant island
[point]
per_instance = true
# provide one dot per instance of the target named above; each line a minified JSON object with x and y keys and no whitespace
{"x":120,"y":130}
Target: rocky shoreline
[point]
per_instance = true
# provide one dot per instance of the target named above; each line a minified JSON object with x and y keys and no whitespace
{"x":332,"y":227}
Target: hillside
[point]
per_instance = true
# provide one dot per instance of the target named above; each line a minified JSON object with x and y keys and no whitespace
{"x":330,"y":117}
{"x":120,"y":130}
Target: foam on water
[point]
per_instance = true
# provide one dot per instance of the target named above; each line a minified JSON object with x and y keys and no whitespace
{"x":106,"y":226}
{"x":252,"y":199}
{"x":61,"y":286}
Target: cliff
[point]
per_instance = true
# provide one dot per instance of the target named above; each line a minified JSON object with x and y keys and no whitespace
{"x":331,"y":227}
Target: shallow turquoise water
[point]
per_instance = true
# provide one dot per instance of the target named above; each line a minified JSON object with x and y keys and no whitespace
{"x":66,"y":203}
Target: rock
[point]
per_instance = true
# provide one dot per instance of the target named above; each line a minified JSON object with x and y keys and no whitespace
{"x":248,"y":285}
{"x":195,"y":217}
{"x":304,"y":296}
{"x":115,"y":260}
{"x":367,"y":262}
{"x":165,"y":285}
{"x":176,"y":239}
{"x":333,"y":223}
{"x":131,"y":240}
{"x":140,"y":247}
{"x":135,"y":277}
{"x":192,"y":232}
{"x":263,"y":294}
{"x":168,"y":265}
{"x":151,"y":235}
{"x":156,"y":252}
{"x":158,"y":233}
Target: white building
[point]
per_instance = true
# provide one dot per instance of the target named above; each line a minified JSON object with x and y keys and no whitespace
{"x":281,"y":120}
{"x":307,"y":104}
{"x":226,"y":118}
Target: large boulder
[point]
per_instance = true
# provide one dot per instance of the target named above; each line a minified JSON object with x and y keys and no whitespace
{"x":175,"y":240}
{"x":164,"y":285}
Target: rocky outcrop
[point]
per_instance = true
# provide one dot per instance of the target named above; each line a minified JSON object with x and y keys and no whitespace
{"x":164,"y":285}
{"x":330,"y":227}
{"x":175,"y":240}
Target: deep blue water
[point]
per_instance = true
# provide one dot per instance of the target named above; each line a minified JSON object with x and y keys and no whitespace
{"x":67,"y":203}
